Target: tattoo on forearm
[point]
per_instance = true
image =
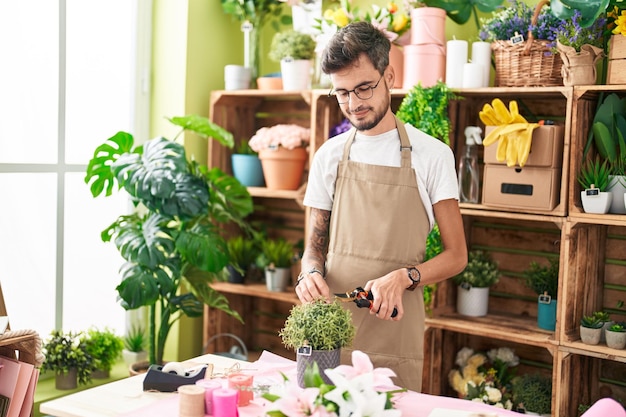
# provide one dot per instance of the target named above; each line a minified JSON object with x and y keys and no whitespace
{"x":318,"y":240}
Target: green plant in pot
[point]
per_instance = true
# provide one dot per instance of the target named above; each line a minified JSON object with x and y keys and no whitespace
{"x":172,"y":244}
{"x":317,"y":331}
{"x":616,"y":335}
{"x":594,"y":180}
{"x":134,"y":350}
{"x":533,"y":393}
{"x":295,"y":51}
{"x":608,"y":133}
{"x":276,"y":258}
{"x":480,"y":273}
{"x":105,"y":347}
{"x":590,"y":329}
{"x":243,"y":253}
{"x":544,"y":280}
{"x":66,"y":355}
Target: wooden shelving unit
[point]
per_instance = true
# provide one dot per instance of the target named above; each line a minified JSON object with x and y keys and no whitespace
{"x":591,"y":248}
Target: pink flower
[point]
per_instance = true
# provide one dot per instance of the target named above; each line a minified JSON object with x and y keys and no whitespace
{"x":288,"y":136}
{"x":300,"y":402}
{"x":361,"y":365}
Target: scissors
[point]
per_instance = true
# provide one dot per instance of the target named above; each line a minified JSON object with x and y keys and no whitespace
{"x":361,"y":298}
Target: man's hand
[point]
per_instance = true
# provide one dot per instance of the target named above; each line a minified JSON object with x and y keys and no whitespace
{"x":311,"y":287}
{"x":387,"y":291}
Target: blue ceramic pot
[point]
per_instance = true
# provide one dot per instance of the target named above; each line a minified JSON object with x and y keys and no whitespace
{"x":247,"y":169}
{"x":546,"y":315}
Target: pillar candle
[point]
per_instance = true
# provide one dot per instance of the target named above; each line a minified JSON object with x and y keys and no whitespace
{"x":191,"y":401}
{"x":225,"y":402}
{"x":456,"y":57}
{"x":208,"y":386}
{"x":481,"y":54}
{"x":243,"y":384}
{"x":472,"y":75}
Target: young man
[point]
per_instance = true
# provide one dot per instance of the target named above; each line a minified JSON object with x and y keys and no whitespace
{"x":375,"y":192}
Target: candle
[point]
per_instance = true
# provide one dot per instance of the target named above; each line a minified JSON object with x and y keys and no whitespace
{"x":208,"y":386}
{"x":456,"y":57}
{"x":225,"y":402}
{"x":472,"y":75}
{"x":243,"y":384}
{"x":191,"y":401}
{"x":481,"y":54}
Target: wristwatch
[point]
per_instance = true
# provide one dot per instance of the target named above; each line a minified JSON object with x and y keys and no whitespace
{"x":414,"y":276}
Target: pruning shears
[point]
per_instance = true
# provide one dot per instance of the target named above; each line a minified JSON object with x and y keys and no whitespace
{"x":361,"y":298}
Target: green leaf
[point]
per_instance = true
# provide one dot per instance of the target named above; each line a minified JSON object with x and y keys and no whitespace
{"x":604,"y":141}
{"x":204,"y":247}
{"x":590,"y":10}
{"x":139,"y":286}
{"x":205,"y":128}
{"x":229,"y":200}
{"x":99,"y":172}
{"x":198,"y":281}
{"x":460,"y":11}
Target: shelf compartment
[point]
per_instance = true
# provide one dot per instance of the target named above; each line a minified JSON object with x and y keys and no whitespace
{"x":585,"y":379}
{"x":547,"y":103}
{"x":264,"y":313}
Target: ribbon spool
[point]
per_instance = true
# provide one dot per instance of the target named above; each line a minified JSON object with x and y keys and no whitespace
{"x":243,"y":384}
{"x":191,"y":401}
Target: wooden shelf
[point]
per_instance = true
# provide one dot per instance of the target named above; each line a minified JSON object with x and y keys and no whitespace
{"x":258,"y":291}
{"x":266,"y":192}
{"x":600,"y":351}
{"x":510,"y":328}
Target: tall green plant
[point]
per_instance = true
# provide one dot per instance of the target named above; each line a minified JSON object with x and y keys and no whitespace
{"x":426,"y":108}
{"x":173,"y":245}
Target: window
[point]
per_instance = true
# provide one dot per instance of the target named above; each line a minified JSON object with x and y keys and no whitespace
{"x":68,"y":82}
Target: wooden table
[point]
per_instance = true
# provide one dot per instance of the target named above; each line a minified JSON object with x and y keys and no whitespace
{"x":121,"y":397}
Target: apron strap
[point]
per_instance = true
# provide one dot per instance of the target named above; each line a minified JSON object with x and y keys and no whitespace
{"x":405,"y":144}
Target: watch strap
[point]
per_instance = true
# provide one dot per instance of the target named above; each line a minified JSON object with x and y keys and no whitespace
{"x":411,"y":271}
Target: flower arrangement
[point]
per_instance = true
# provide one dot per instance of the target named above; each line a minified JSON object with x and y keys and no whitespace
{"x":507,"y":22}
{"x":485,"y":377}
{"x":388,"y":19}
{"x":359,"y":389}
{"x":288,"y":136}
{"x":616,"y":21}
{"x":570,"y":32}
{"x":481,"y":271}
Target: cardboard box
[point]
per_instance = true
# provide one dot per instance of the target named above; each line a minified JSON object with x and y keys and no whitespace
{"x":546,"y":149}
{"x":528,"y":187}
{"x":616,"y":70}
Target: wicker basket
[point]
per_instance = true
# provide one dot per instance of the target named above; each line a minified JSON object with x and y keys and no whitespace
{"x":527,"y":64}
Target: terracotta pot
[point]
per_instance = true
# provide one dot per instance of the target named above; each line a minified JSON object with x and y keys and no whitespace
{"x":283,"y":168}
{"x":269,"y":83}
{"x":139,"y":368}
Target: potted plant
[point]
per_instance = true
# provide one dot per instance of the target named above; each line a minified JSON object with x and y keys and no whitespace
{"x":616,"y":335}
{"x":66,"y":355}
{"x":247,"y":166}
{"x":544,"y":280}
{"x":276,"y":258}
{"x":480,"y":273}
{"x":317,"y":331}
{"x":243,"y":254}
{"x":134,"y":350}
{"x":283,"y":152}
{"x":605,"y":319}
{"x":172,"y":246}
{"x":594,"y":179}
{"x":295,"y":51}
{"x":105,"y":348}
{"x":590,"y":329}
{"x":608,"y":133}
{"x":533,"y":394}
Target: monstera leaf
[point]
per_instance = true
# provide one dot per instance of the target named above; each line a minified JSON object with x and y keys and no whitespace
{"x":460,"y":11}
{"x":590,"y":10}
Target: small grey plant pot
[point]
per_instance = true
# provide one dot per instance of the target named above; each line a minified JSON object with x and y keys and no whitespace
{"x":590,"y":336}
{"x":326,"y":359}
{"x":277,"y":279}
{"x":615,"y":340}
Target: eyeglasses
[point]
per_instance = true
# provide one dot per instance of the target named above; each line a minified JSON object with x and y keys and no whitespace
{"x":364,"y":92}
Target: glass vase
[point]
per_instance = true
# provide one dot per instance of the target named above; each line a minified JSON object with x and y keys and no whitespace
{"x":251,"y":38}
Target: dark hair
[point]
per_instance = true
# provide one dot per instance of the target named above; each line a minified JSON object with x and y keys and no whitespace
{"x":350,"y":42}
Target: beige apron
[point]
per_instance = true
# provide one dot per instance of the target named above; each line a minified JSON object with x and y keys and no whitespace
{"x":379,"y":224}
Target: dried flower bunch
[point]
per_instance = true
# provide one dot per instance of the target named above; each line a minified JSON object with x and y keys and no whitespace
{"x":507,"y":22}
{"x":485,"y":377}
{"x":570,"y":32}
{"x":288,"y":136}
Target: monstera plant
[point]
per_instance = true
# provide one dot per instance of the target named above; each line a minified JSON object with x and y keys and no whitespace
{"x":172,"y":243}
{"x":460,"y":11}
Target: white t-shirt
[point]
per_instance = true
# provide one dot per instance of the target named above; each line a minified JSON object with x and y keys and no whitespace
{"x":432,"y":160}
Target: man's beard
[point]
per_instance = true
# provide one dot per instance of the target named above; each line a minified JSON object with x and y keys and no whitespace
{"x":363,"y":125}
